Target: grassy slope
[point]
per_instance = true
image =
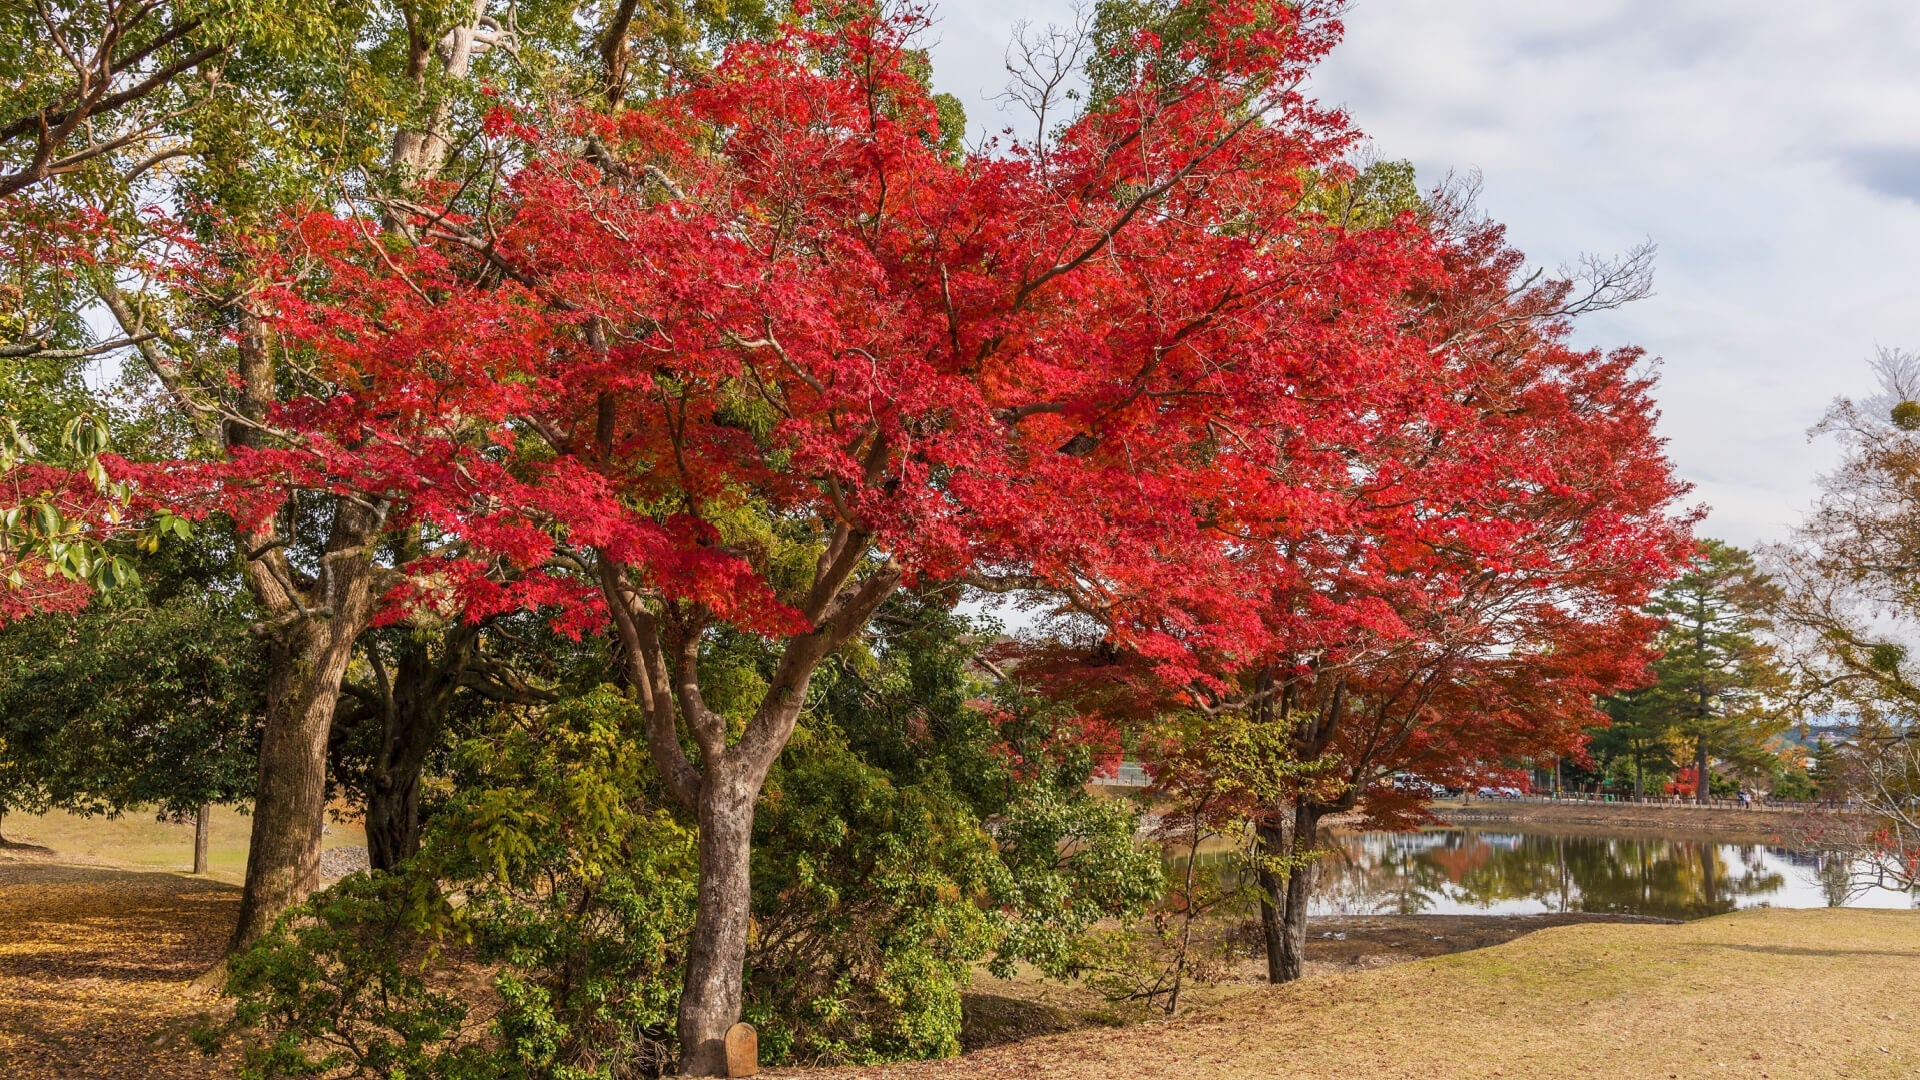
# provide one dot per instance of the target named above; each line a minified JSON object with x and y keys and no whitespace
{"x":136,"y":840}
{"x":1764,"y":993}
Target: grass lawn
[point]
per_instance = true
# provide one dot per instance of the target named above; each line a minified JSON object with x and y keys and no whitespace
{"x":136,"y":840}
{"x":1764,"y":993}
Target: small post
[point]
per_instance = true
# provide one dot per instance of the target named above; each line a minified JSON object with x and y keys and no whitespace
{"x":202,"y":820}
{"x":743,"y":1050}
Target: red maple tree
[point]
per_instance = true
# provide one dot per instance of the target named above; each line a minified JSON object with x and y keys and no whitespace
{"x":766,"y":352}
{"x":757,"y":353}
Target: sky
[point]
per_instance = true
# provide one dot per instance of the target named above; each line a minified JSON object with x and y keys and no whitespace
{"x":1771,"y":150}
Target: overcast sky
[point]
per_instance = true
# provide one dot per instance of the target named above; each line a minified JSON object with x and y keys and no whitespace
{"x":1771,"y":150}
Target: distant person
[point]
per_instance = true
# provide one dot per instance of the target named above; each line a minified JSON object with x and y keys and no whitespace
{"x":1746,"y":799}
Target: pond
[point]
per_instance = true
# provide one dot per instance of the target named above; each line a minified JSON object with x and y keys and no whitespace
{"x":1483,"y":872}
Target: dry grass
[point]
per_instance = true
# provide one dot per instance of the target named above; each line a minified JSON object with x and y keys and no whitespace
{"x":136,"y":840}
{"x":1763,"y":994}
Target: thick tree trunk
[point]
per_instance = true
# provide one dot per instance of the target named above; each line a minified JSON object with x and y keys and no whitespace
{"x":305,"y":665}
{"x":1293,"y":939}
{"x":290,"y":802}
{"x":393,"y":818}
{"x":202,"y":821}
{"x":1702,"y":786}
{"x":710,"y":1002}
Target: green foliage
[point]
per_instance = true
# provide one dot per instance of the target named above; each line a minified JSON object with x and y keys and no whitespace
{"x":353,"y":982}
{"x":1828,"y":770}
{"x":538,"y":935}
{"x":1074,"y":862}
{"x":1793,"y":783}
{"x":152,"y":696}
{"x":871,"y":900}
{"x":1114,"y":63}
{"x":1370,"y":198}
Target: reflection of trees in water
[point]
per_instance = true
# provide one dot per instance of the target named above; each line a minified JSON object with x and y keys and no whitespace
{"x":1414,"y":872}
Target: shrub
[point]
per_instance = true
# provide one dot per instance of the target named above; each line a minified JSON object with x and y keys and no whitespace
{"x":538,"y":934}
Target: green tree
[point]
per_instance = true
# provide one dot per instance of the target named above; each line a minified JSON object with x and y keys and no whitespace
{"x":1638,"y":738}
{"x":151,"y":697}
{"x":1716,"y":685}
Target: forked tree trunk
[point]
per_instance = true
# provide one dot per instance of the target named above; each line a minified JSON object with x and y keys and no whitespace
{"x":202,"y":821}
{"x":423,"y":690}
{"x":723,"y":788}
{"x":711,"y":1000}
{"x":305,"y":664}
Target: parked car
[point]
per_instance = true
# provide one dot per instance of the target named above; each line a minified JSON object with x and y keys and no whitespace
{"x":1415,"y":785}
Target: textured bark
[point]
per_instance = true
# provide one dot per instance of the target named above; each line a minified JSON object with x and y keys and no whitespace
{"x":202,"y":820}
{"x":418,"y":154}
{"x":711,"y":999}
{"x":1293,"y":938}
{"x":306,"y":661}
{"x":1273,"y":898}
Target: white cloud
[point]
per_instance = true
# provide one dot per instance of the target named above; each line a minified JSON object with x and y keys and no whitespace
{"x":1771,"y":150}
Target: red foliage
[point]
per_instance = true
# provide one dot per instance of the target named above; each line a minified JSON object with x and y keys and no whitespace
{"x":1134,"y":372}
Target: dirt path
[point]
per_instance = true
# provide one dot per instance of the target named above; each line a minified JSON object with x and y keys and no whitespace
{"x":93,"y":962}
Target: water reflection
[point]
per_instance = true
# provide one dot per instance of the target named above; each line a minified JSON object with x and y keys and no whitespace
{"x":1469,"y":871}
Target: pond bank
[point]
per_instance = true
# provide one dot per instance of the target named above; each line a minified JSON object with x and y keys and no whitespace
{"x":1668,"y":818}
{"x":1766,"y":994}
{"x":1001,"y":1011}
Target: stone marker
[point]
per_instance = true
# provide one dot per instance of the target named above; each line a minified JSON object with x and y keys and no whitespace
{"x":743,"y":1050}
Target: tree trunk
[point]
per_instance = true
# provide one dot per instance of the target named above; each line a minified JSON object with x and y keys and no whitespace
{"x":290,"y":802}
{"x":1273,"y":842}
{"x":423,"y":690}
{"x":202,"y":820}
{"x":1702,"y":787}
{"x":1293,"y":939}
{"x":710,"y":1002}
{"x":305,"y":664}
{"x":393,"y":818}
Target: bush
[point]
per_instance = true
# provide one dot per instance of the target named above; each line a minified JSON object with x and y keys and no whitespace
{"x":538,"y":934}
{"x":871,"y":900}
{"x":541,"y":932}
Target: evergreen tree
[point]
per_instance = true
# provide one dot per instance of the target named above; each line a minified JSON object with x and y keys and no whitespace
{"x":1716,"y":679}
